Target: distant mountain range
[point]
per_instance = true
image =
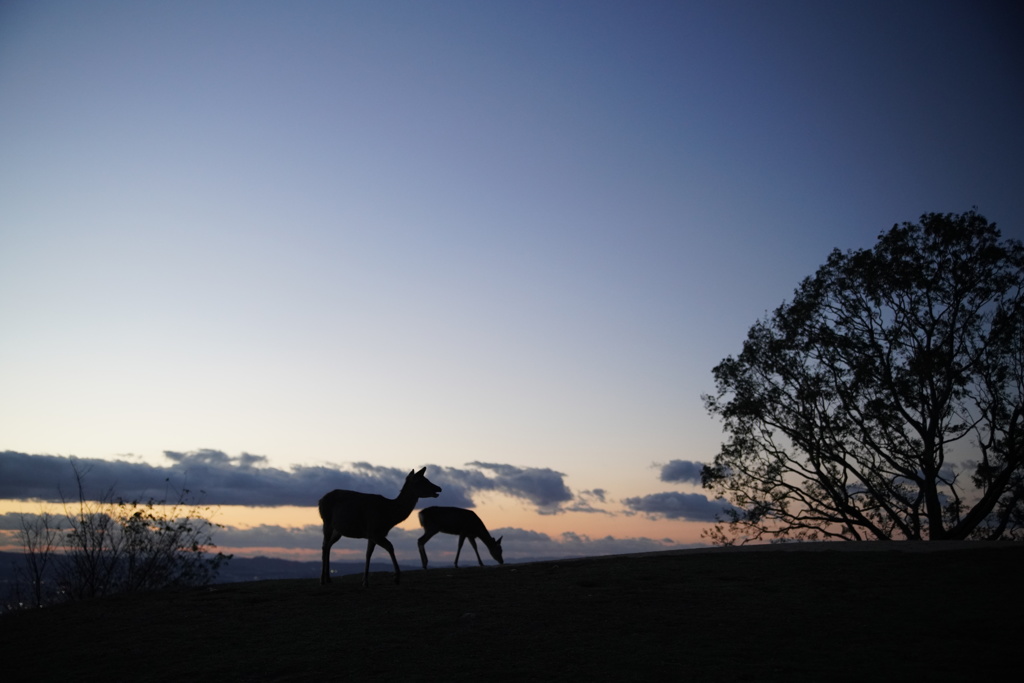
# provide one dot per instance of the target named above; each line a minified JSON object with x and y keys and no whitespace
{"x":266,"y":568}
{"x":249,"y":568}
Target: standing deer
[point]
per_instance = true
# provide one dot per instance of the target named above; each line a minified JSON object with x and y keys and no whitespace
{"x":369,"y":516}
{"x":462,"y":523}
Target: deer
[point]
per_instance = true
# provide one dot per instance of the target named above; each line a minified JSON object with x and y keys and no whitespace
{"x":462,"y":523}
{"x":367,"y":515}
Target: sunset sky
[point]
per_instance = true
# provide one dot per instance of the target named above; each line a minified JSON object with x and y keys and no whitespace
{"x":268,"y":249}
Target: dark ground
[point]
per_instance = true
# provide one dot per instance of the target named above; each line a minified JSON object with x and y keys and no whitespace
{"x":722,"y":615}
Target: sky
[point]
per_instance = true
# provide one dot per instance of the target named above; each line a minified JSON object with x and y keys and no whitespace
{"x":262,"y":250}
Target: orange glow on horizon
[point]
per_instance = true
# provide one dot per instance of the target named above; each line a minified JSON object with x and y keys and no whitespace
{"x":498,"y":512}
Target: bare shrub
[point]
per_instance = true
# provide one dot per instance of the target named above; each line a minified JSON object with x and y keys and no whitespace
{"x":110,"y":545}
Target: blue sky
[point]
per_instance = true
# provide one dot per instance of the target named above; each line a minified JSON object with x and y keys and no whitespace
{"x":408,"y":234}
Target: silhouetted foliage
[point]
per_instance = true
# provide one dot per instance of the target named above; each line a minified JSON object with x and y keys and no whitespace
{"x":885,"y":400}
{"x":106,"y":546}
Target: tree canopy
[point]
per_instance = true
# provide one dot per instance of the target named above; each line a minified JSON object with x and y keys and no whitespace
{"x":885,"y":400}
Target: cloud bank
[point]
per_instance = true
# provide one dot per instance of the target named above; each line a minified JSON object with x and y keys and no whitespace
{"x":215,"y":478}
{"x":303,"y":543}
{"x":692,"y":507}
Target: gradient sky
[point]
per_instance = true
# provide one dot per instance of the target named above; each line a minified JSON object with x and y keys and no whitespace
{"x":515,"y":234}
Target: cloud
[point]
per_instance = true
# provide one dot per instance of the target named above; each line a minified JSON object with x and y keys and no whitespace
{"x":589,"y":501}
{"x":692,"y":507}
{"x":543,"y":487}
{"x":518,"y":544}
{"x":47,"y":477}
{"x":216,"y":478}
{"x":683,"y":471}
{"x":272,"y":536}
{"x":303,"y":543}
{"x":12,"y":521}
{"x":221,"y":479}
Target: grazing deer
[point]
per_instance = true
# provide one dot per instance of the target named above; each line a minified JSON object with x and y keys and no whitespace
{"x":369,"y":516}
{"x":462,"y":523}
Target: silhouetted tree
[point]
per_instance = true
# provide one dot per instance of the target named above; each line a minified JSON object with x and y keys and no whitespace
{"x":39,"y":537}
{"x":885,"y":400}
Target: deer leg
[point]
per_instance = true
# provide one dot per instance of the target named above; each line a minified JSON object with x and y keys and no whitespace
{"x":422,"y":543}
{"x":330,"y":538}
{"x":386,"y":544}
{"x":462,"y":539}
{"x":472,"y":542}
{"x":366,"y":570}
{"x":325,"y":565}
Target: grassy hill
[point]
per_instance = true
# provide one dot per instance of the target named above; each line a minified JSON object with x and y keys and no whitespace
{"x":723,"y":615}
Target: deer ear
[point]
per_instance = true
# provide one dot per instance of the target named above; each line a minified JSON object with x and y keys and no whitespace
{"x":499,"y":539}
